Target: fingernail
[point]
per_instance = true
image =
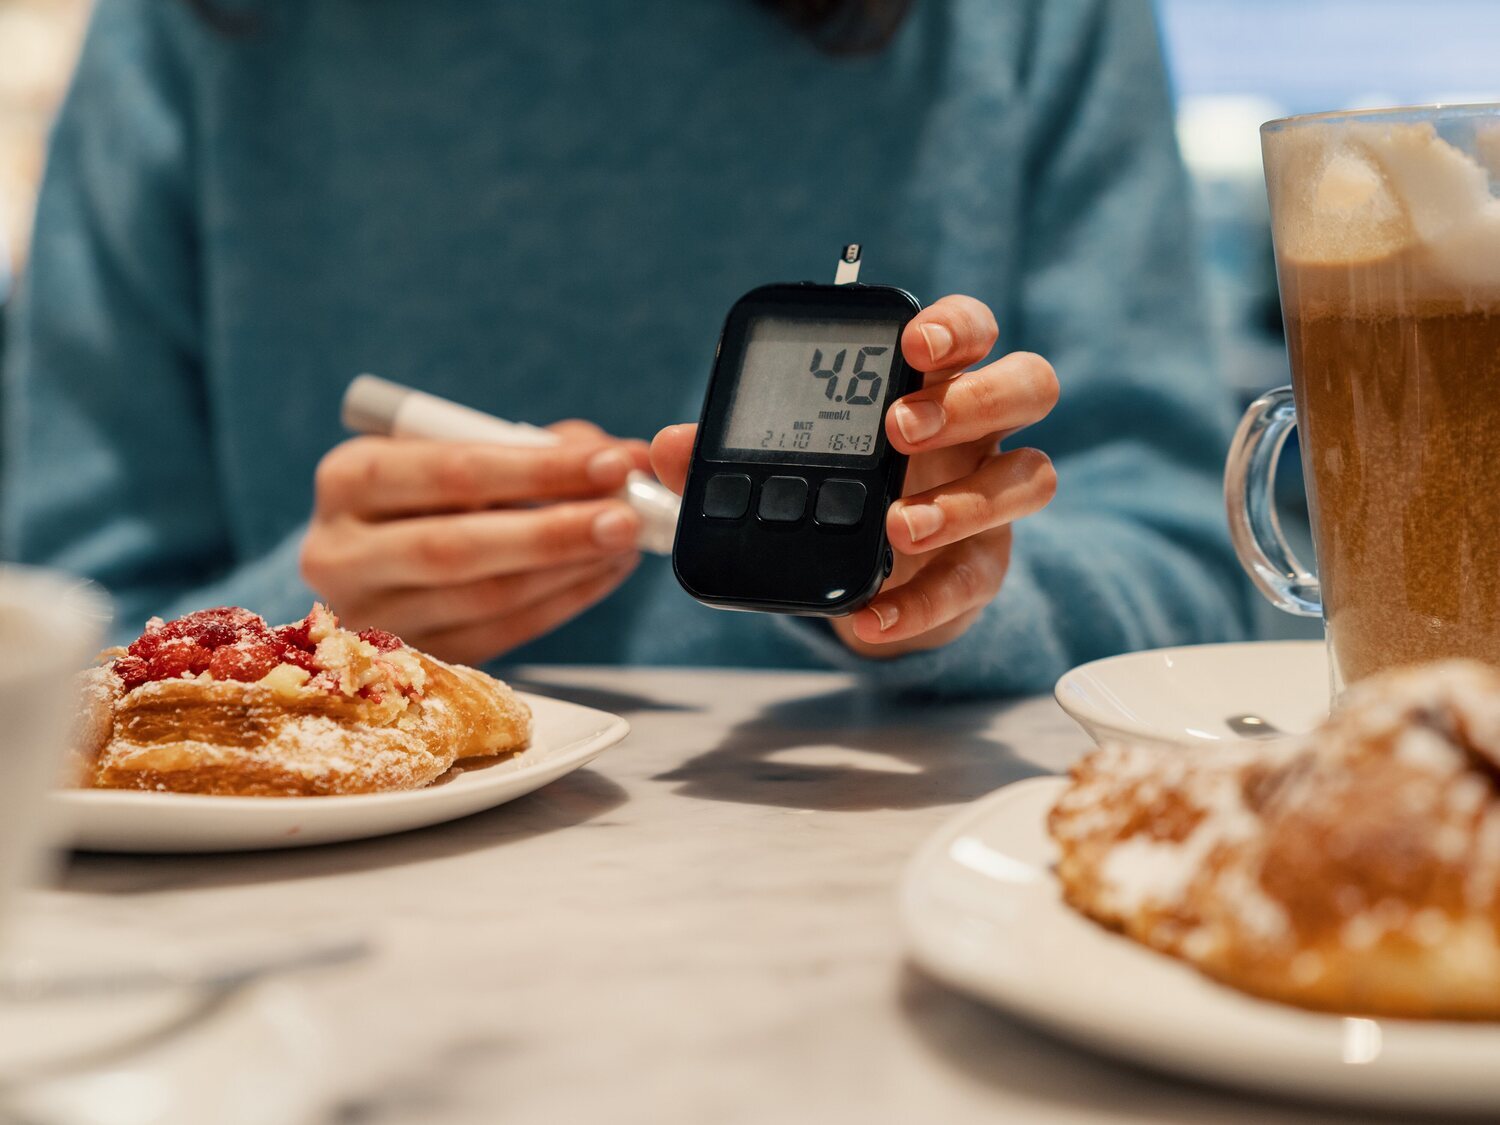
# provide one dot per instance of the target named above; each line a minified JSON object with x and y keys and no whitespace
{"x":614,"y":529}
{"x":922,"y":520}
{"x":609,"y":467}
{"x":939,"y":340}
{"x":918,"y":420}
{"x":887,"y":614}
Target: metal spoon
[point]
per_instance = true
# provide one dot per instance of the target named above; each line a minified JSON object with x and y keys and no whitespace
{"x":1253,"y":726}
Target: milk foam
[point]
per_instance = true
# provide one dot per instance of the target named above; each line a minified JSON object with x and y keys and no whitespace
{"x":1357,"y":191}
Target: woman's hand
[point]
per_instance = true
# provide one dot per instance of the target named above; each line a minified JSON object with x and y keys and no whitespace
{"x":951,"y":530}
{"x":469,"y":550}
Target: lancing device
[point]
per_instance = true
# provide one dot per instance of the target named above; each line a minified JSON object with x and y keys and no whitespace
{"x":377,"y":406}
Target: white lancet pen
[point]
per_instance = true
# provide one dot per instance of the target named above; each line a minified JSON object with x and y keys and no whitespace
{"x":373,"y":405}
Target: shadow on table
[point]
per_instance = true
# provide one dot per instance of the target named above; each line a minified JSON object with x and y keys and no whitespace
{"x":576,"y":799}
{"x":591,"y":695}
{"x":853,"y":750}
{"x":988,"y":1048}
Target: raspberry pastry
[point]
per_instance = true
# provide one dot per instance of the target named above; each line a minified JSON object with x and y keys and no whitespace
{"x":220,"y":702}
{"x":1354,"y":870}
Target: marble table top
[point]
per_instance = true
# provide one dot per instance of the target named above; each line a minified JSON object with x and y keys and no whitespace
{"x":700,"y":927}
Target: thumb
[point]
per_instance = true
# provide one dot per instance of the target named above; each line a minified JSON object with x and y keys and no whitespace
{"x":671,"y":451}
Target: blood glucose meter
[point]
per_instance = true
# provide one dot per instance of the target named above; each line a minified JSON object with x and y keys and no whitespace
{"x":785,"y":504}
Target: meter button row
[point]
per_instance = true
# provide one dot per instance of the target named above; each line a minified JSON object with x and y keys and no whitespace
{"x":727,"y":496}
{"x":783,"y":499}
{"x":841,"y":503}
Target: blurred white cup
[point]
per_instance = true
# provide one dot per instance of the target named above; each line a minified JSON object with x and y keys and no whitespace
{"x":51,"y":627}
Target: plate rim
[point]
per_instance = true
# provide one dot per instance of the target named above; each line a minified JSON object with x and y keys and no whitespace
{"x":1095,"y":722}
{"x":258,"y":823}
{"x":612,"y":732}
{"x":279,"y":1008}
{"x":1311,"y":1084}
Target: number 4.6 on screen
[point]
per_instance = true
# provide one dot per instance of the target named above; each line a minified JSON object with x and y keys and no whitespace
{"x":854,"y":394}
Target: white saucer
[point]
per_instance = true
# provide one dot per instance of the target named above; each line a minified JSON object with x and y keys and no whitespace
{"x":566,"y":737}
{"x":1187,"y":695}
{"x":257,"y":1057}
{"x":981,"y":911}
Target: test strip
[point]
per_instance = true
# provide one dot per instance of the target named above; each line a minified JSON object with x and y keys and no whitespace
{"x":848,"y":267}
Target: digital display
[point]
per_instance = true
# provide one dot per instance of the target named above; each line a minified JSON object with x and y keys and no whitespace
{"x":812,"y":387}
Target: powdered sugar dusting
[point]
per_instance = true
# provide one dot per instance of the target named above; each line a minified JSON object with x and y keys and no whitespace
{"x":1143,"y":871}
{"x":1362,"y":860}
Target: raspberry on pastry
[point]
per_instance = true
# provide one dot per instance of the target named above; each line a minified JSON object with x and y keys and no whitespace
{"x":220,"y":702}
{"x":1356,"y":869}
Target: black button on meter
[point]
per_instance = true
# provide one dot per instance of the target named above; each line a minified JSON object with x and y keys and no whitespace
{"x":783,"y":499}
{"x":727,"y":496}
{"x":793,"y":428}
{"x":841,"y":503}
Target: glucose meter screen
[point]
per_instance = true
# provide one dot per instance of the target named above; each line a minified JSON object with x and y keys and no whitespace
{"x":812,"y":387}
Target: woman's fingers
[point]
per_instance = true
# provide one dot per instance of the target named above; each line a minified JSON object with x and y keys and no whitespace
{"x":1002,"y":490}
{"x":1009,"y":394}
{"x":639,"y":452}
{"x":380,"y":478}
{"x":455,"y":549}
{"x":480,"y":546}
{"x":482,"y":641}
{"x":578,"y":429}
{"x":422,"y":610}
{"x":949,"y":335}
{"x":671,"y":451}
{"x":961,"y":581}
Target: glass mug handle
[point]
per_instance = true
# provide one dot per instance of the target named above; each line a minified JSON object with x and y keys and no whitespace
{"x":1250,"y":497}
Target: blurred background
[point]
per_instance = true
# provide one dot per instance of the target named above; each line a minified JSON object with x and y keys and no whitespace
{"x":1235,"y":63}
{"x":38,"y":43}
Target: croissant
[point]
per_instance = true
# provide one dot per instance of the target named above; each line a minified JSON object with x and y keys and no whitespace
{"x":219,"y":702}
{"x":1355,"y":870}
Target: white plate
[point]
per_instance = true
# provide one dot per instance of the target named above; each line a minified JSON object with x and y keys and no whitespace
{"x":982,"y":912}
{"x":566,"y":736}
{"x":1187,"y":695}
{"x":259,"y":1057}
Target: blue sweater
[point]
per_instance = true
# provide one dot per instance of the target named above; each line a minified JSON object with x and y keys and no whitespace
{"x":544,"y":210}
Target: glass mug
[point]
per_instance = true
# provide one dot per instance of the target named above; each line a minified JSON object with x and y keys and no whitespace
{"x":1386,"y":226}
